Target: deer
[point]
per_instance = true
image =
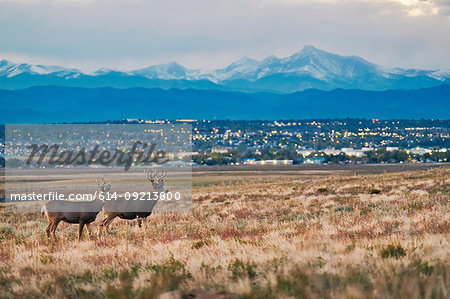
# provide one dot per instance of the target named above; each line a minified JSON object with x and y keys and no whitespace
{"x":133,"y":209}
{"x":82,"y":213}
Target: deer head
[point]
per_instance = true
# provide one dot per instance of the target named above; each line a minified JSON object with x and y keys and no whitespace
{"x":103,"y":186}
{"x":156,"y":179}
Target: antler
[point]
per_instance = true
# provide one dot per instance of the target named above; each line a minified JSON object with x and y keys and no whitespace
{"x":163,"y":174}
{"x":150,"y":176}
{"x":153,"y":176}
{"x":103,"y":182}
{"x":98,"y":180}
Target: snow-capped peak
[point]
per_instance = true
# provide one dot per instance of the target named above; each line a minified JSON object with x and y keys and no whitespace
{"x":168,"y":71}
{"x":10,"y":69}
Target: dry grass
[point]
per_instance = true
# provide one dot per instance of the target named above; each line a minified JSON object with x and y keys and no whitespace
{"x":384,"y":235}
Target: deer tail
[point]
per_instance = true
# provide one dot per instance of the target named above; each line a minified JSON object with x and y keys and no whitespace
{"x":44,"y":210}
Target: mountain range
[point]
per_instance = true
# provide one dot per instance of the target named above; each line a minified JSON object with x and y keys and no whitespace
{"x":310,"y":68}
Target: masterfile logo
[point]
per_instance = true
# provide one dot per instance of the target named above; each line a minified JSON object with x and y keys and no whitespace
{"x":144,"y":163}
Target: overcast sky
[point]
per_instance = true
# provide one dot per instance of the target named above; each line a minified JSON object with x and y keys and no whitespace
{"x":129,"y":34}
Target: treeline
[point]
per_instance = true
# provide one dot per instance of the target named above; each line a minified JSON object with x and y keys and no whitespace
{"x":379,"y":155}
{"x":235,"y":156}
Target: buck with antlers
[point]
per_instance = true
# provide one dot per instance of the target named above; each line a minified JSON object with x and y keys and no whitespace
{"x":82,"y":213}
{"x":133,"y":209}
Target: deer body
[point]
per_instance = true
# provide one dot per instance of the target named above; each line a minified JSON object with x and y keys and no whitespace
{"x":130,"y":210}
{"x":82,"y":213}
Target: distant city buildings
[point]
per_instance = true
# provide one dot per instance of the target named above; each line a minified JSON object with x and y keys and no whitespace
{"x":252,"y":161}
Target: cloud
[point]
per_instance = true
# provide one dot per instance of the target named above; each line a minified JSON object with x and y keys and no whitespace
{"x":213,"y":33}
{"x":443,"y":6}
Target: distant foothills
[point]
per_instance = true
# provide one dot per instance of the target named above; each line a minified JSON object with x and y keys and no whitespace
{"x":58,"y":104}
{"x":311,"y":83}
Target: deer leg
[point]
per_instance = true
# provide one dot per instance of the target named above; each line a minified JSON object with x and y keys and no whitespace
{"x":54,"y":227}
{"x":146,"y":221}
{"x":141,"y":228}
{"x":100,"y":230}
{"x":105,"y":223}
{"x":48,"y":228}
{"x":89,"y":229}
{"x":102,"y":223}
{"x":80,"y":230}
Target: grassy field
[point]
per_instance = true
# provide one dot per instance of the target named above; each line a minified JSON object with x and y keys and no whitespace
{"x":283,"y":232}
